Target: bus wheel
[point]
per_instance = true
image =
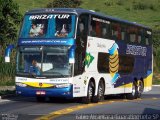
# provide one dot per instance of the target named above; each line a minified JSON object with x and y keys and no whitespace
{"x":90,"y":93}
{"x":40,"y":99}
{"x":100,"y":93}
{"x":140,"y":88}
{"x":133,"y":94}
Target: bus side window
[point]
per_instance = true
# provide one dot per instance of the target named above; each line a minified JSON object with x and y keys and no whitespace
{"x":126,"y":64}
{"x":95,"y":29}
{"x":139,"y":38}
{"x":123,"y":32}
{"x":148,"y":38}
{"x":99,"y":27}
{"x":103,"y":63}
{"x":105,"y":30}
{"x":116,"y":31}
{"x":92,"y":28}
{"x":81,"y":42}
{"x":133,"y":35}
{"x":139,"y":35}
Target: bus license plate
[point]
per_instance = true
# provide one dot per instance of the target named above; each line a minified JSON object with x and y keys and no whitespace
{"x":40,"y":92}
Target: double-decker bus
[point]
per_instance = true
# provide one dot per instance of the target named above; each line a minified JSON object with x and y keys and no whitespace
{"x":78,"y":53}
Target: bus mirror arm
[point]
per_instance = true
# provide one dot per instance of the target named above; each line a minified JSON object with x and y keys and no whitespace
{"x":8,"y":52}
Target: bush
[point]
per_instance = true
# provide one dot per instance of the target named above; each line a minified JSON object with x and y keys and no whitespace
{"x":156,"y":49}
{"x":156,"y":38}
{"x":140,"y":6}
{"x":7,"y":74}
{"x":157,"y":59}
{"x":97,"y":10}
{"x":128,"y":9}
{"x":119,"y":2}
{"x":64,"y":4}
{"x":108,"y":3}
{"x":152,"y":7}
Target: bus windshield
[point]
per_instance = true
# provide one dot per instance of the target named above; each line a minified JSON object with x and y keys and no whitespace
{"x":43,"y":61}
{"x":48,"y":26}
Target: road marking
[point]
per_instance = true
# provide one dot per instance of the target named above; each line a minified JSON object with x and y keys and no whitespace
{"x":4,"y":100}
{"x":156,"y":85}
{"x":139,"y":99}
{"x":68,"y":110}
{"x":154,"y":98}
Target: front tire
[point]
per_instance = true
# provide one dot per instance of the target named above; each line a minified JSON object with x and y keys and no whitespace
{"x":133,"y":94}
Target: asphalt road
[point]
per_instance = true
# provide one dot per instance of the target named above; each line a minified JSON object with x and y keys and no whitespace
{"x":21,"y":108}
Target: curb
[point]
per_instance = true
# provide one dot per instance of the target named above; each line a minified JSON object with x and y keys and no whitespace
{"x":3,"y":88}
{"x":7,"y":96}
{"x":156,"y":85}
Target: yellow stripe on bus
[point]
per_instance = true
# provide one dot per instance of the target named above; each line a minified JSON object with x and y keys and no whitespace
{"x":37,"y":84}
{"x":148,"y":81}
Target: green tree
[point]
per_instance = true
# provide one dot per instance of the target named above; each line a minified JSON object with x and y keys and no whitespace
{"x":64,"y":4}
{"x":156,"y":49}
{"x":10,"y":19}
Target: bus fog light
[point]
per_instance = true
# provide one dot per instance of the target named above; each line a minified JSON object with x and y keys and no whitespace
{"x":63,"y":85}
{"x":21,"y":84}
{"x":18,"y":92}
{"x":67,"y":93}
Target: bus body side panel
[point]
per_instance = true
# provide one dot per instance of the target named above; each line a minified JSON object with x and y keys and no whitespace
{"x":96,"y":46}
{"x":80,"y":85}
{"x":142,"y":69}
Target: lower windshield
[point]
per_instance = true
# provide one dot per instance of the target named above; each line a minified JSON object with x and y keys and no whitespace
{"x":43,"y":61}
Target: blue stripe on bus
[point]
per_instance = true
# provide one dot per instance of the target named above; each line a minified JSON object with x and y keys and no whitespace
{"x":50,"y":92}
{"x":45,"y":41}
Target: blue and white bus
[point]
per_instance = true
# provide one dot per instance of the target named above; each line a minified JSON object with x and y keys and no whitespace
{"x":78,"y":53}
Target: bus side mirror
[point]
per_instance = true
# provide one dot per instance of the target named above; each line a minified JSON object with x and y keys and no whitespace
{"x":8,"y":52}
{"x":72,"y":54}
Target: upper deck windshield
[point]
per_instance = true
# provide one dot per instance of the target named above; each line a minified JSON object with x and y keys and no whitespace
{"x":48,"y":26}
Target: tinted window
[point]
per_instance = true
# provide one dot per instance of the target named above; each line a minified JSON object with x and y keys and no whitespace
{"x":99,"y":27}
{"x":132,"y":34}
{"x":48,"y":26}
{"x":123,"y":32}
{"x":148,"y":38}
{"x":103,"y":63}
{"x":126,"y":64}
{"x":116,"y":31}
{"x":81,"y":42}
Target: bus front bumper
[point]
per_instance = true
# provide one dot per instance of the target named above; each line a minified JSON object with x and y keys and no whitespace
{"x":46,"y":92}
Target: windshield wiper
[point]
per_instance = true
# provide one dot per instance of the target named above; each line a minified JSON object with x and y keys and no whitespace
{"x":32,"y":74}
{"x":57,"y":73}
{"x":26,"y":74}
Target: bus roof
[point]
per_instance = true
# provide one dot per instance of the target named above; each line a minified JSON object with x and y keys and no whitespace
{"x":80,"y":11}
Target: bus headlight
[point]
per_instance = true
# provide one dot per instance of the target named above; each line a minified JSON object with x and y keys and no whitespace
{"x":21,"y":84}
{"x":63,"y":85}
